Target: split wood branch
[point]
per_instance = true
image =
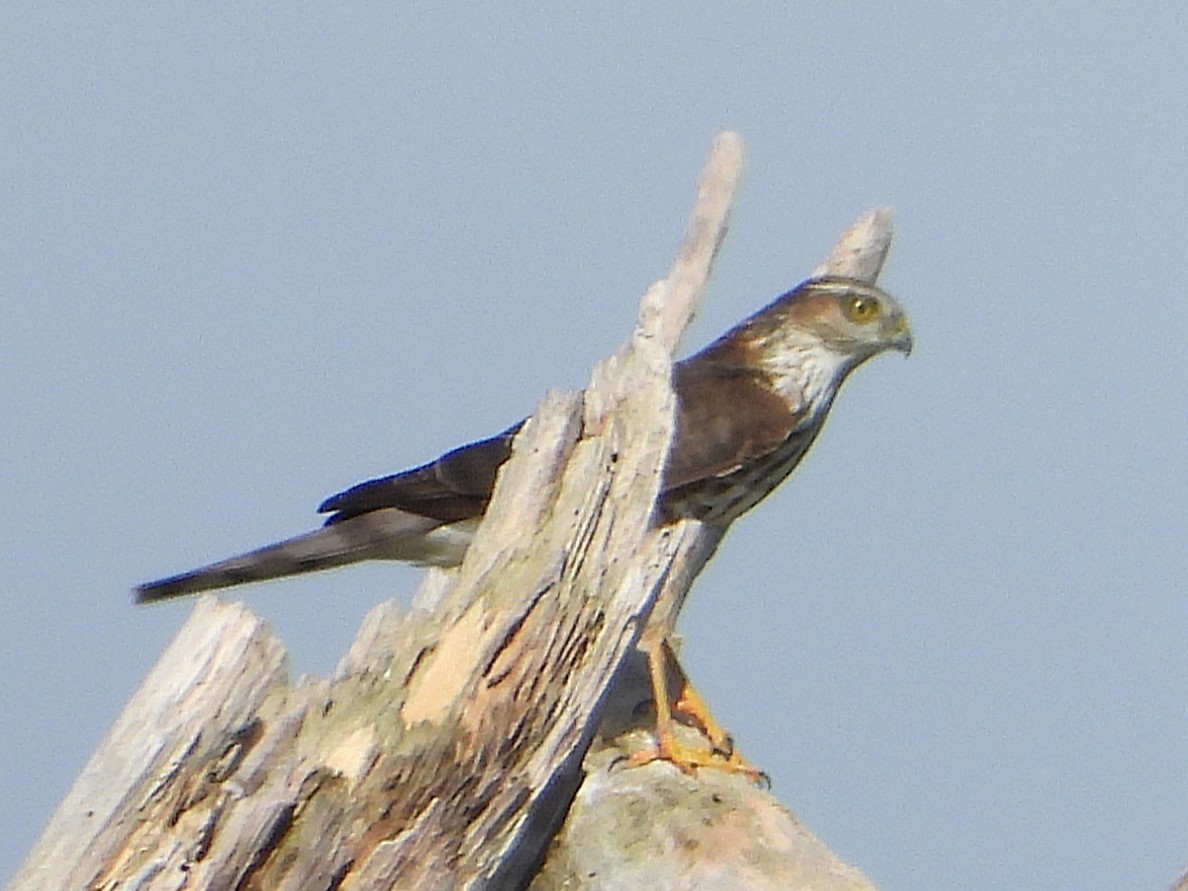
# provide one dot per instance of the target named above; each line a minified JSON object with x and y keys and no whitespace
{"x":445,"y":749}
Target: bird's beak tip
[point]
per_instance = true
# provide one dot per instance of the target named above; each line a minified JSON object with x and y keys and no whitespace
{"x":903,"y":337}
{"x":903,"y":342}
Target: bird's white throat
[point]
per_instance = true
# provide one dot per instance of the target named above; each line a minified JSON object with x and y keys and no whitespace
{"x":807,"y":374}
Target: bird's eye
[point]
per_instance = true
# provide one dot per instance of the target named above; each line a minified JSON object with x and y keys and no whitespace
{"x":862,"y":309}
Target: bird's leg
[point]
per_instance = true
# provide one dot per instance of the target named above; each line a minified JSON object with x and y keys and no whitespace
{"x":719,"y":756}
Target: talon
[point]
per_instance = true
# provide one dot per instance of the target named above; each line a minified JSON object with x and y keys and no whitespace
{"x":689,"y":759}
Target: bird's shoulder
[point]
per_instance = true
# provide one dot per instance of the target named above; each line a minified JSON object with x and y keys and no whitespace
{"x":727,"y":416}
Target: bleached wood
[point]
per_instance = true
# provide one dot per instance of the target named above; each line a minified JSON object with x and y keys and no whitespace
{"x":446,"y":749}
{"x":862,"y":249}
{"x":197,"y":707}
{"x":706,"y":230}
{"x":656,"y":828}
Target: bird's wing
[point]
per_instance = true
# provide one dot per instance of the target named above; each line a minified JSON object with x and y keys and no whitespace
{"x":727,"y":417}
{"x":456,"y":486}
{"x":417,"y":516}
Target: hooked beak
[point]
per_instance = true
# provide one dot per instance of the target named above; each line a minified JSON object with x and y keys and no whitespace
{"x":903,"y":336}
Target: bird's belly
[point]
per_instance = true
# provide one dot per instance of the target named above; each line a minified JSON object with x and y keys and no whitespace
{"x":443,"y":546}
{"x":724,"y":499}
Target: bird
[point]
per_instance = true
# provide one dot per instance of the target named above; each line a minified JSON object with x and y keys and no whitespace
{"x":749,"y":407}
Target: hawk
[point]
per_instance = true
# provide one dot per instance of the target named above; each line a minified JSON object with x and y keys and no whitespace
{"x":749,"y":406}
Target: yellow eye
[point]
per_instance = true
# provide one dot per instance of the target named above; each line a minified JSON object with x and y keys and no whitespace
{"x":862,"y":309}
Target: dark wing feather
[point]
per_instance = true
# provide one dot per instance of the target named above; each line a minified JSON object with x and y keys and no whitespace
{"x":457,"y":486}
{"x":727,"y":417}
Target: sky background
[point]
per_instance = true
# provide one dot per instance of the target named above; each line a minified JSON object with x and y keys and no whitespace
{"x":253,"y":254}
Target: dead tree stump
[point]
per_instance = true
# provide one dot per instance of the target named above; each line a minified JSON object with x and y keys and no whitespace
{"x":458,"y":744}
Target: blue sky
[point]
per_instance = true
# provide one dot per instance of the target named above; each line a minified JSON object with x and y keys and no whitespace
{"x":252,"y":255}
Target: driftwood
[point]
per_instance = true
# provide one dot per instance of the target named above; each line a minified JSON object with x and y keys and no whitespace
{"x":459,"y":744}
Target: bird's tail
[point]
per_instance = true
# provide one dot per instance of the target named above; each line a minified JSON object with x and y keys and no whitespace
{"x":375,"y":535}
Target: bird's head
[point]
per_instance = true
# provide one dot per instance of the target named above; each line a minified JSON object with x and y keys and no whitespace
{"x":847,"y":318}
{"x":850,"y":317}
{"x":809,"y":339}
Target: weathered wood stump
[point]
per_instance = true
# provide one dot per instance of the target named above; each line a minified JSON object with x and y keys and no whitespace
{"x":470,"y":741}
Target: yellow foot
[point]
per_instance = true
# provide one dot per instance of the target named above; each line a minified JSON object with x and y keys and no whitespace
{"x":689,"y":759}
